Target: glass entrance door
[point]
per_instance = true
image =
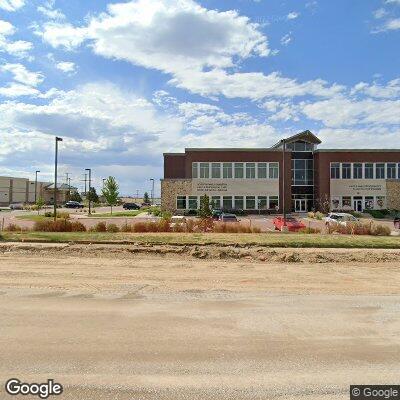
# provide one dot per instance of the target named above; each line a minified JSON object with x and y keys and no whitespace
{"x":300,"y":205}
{"x":358,"y":204}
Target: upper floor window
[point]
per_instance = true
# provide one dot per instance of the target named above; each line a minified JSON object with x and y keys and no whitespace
{"x":335,"y":171}
{"x":274,"y":170}
{"x":250,"y":170}
{"x":227,"y":170}
{"x":357,"y":171}
{"x":239,"y":170}
{"x":215,"y":170}
{"x":380,"y":171}
{"x":204,"y":170}
{"x":398,"y":171}
{"x":262,"y":170}
{"x":369,"y":171}
{"x":391,"y":171}
{"x":194,"y":171}
{"x":346,"y":171}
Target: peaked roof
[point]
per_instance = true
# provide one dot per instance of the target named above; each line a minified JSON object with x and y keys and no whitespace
{"x":307,"y":136}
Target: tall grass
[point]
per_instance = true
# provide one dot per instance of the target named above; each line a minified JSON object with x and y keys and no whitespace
{"x":60,"y":225}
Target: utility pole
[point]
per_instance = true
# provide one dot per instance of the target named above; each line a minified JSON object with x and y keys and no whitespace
{"x":152,"y":192}
{"x":58,"y":139}
{"x":137,"y":195}
{"x":283,"y":181}
{"x":90,"y":185}
{"x":69,"y":189}
{"x":36,"y":172}
{"x":85,"y":184}
{"x":66,"y":181}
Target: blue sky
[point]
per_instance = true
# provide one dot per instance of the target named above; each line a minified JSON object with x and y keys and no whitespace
{"x":124,"y":81}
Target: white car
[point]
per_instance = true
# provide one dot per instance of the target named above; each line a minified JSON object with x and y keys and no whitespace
{"x":177,"y":220}
{"x":340,"y":219}
{"x":16,"y":206}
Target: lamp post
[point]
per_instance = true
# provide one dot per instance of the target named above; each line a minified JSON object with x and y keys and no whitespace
{"x":90,"y":185}
{"x":36,"y":172}
{"x":58,"y":139}
{"x":152,"y":192}
{"x":283,"y":181}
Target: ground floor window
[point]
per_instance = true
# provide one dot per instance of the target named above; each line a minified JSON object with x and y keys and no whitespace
{"x":239,"y":203}
{"x":193,"y":203}
{"x":181,"y":202}
{"x":358,"y":203}
{"x":230,"y":202}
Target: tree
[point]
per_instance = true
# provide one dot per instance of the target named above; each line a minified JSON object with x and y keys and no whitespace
{"x":146,"y":198}
{"x":75,"y":196}
{"x":92,"y":195}
{"x":205,"y":210}
{"x":110,"y":191}
{"x":39,"y":204}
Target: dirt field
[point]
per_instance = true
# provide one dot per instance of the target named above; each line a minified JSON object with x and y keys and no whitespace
{"x":109,"y":323}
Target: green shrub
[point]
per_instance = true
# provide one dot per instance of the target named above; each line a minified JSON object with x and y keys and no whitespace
{"x":60,"y":225}
{"x":60,"y":214}
{"x":378,"y":214}
{"x":310,"y":230}
{"x":112,"y":228}
{"x":100,"y":227}
{"x":311,"y":214}
{"x":319,"y":215}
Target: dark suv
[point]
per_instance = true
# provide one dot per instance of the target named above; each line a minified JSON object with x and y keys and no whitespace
{"x":130,"y":206}
{"x":73,"y":204}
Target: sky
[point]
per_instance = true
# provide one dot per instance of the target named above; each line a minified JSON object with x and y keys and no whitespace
{"x":123,"y":82}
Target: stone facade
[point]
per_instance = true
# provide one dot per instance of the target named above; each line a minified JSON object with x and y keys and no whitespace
{"x":170,"y":189}
{"x":393,"y":194}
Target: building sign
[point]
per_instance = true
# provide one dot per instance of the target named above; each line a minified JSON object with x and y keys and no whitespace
{"x":235,"y":187}
{"x":361,"y":187}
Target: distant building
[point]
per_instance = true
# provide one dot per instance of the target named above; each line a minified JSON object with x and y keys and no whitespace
{"x":22,"y":190}
{"x":252,"y":179}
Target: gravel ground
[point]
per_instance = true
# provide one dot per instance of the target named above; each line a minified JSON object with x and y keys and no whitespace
{"x":123,"y":326}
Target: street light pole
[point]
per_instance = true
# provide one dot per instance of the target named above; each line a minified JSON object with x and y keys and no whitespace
{"x":58,"y":139}
{"x":90,"y":185}
{"x":283,"y":181}
{"x":152,"y":192}
{"x":36,"y":172}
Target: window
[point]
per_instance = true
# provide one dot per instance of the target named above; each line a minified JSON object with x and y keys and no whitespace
{"x":357,"y":171}
{"x":398,"y":171}
{"x":380,"y":201}
{"x":302,"y":172}
{"x":181,"y":202}
{"x":193,"y":203}
{"x":391,"y":171}
{"x":273,"y":201}
{"x":239,"y":203}
{"x":380,"y":171}
{"x":346,"y":202}
{"x":239,"y":170}
{"x":250,"y":202}
{"x":250,"y":171}
{"x":346,"y":171}
{"x":299,"y":146}
{"x":369,"y":171}
{"x":262,"y":202}
{"x":227,"y":202}
{"x":204,"y":170}
{"x":216,"y":201}
{"x":215,"y":170}
{"x":194,"y":170}
{"x":262,"y":170}
{"x":227,"y":170}
{"x":273,"y":170}
{"x":335,"y":171}
{"x":369,"y":202}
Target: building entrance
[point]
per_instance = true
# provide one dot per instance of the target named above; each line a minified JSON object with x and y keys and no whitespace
{"x":358,"y":204}
{"x":300,"y":205}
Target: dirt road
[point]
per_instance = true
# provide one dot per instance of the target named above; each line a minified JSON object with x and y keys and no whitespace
{"x":123,"y":326}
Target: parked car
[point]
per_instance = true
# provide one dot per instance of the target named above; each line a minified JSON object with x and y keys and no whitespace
{"x":73,"y":204}
{"x":216,"y":213}
{"x":130,"y":206}
{"x":333,"y":219}
{"x":16,"y":206}
{"x":292,"y":224}
{"x":177,"y":220}
{"x":228,"y":218}
{"x":396,"y":222}
{"x":145,"y":205}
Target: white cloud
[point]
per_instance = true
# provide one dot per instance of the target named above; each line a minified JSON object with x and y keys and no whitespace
{"x":251,"y":85}
{"x":390,"y":90}
{"x":285,"y":40}
{"x":14,"y":89}
{"x":11,"y":5}
{"x":293,"y":15}
{"x":22,"y":75}
{"x":51,"y":13}
{"x":61,"y":35}
{"x":66,"y":66}
{"x":379,"y":13}
{"x":392,"y":24}
{"x":393,"y":2}
{"x":19,"y":48}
